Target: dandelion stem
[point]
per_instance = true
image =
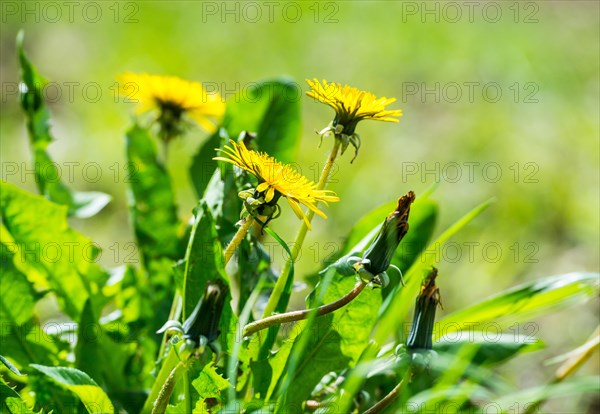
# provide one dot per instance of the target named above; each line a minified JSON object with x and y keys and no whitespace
{"x":301,"y":235}
{"x":261,"y":324}
{"x":237,"y":238}
{"x":160,"y":405}
{"x":386,"y":401}
{"x":174,"y":314}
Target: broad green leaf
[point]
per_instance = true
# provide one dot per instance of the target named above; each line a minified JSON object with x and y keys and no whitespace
{"x":80,"y":204}
{"x":203,"y":166}
{"x":17,"y":296}
{"x":492,"y":348}
{"x":28,"y":343}
{"x":91,"y":395}
{"x":12,"y":403}
{"x":203,"y":259}
{"x":152,"y":206}
{"x":88,"y":353}
{"x":209,"y":384}
{"x":271,"y":109}
{"x":336,"y":340}
{"x":525,"y":302}
{"x":8,"y":405}
{"x":51,"y":254}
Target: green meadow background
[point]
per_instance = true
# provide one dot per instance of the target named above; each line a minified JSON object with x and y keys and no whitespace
{"x":500,"y":100}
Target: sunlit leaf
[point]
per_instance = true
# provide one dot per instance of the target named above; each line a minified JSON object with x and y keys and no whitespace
{"x":209,"y":384}
{"x":152,"y":206}
{"x":492,"y":348}
{"x":51,"y":254}
{"x":336,"y":341}
{"x":91,"y":395}
{"x":525,"y":302}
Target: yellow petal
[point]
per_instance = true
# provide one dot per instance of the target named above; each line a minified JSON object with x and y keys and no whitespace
{"x":270,"y":194}
{"x":262,"y":187}
{"x":298,"y":211}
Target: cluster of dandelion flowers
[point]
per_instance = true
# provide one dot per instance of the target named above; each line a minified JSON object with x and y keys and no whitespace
{"x":277,"y":180}
{"x":174,"y":99}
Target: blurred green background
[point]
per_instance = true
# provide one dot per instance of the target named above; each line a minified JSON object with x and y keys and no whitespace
{"x":500,"y":99}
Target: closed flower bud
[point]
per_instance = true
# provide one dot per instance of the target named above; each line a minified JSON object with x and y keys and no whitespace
{"x":204,"y":319}
{"x":379,"y":255}
{"x":421,"y":331}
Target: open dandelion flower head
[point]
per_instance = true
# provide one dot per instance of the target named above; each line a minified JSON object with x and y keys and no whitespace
{"x":173,"y":97}
{"x":351,"y":104}
{"x":277,"y":180}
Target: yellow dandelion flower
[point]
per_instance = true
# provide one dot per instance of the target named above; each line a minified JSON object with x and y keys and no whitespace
{"x":351,"y":106}
{"x":173,"y":98}
{"x":277,"y":180}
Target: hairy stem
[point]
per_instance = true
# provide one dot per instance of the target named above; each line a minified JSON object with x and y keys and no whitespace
{"x":160,"y":405}
{"x":237,"y":238}
{"x":261,"y":324}
{"x":301,"y":235}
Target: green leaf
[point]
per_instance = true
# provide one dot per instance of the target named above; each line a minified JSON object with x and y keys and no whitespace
{"x":152,"y":207}
{"x":493,"y":348}
{"x":203,"y":259}
{"x":367,"y":227}
{"x":10,"y":366}
{"x":17,"y":296}
{"x":51,"y":254}
{"x":27,"y":343}
{"x":91,"y":395}
{"x":336,"y":340}
{"x":80,"y":204}
{"x":203,"y":166}
{"x":11,"y":400}
{"x":209,"y":384}
{"x":525,"y":302}
{"x":271,"y":109}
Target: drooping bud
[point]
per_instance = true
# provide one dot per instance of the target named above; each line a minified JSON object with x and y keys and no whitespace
{"x":204,"y":319}
{"x":379,"y":255}
{"x":421,"y":331}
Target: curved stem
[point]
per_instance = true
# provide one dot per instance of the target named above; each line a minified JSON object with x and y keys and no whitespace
{"x":386,"y":401}
{"x":301,"y":235}
{"x":237,"y":238}
{"x":261,"y":324}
